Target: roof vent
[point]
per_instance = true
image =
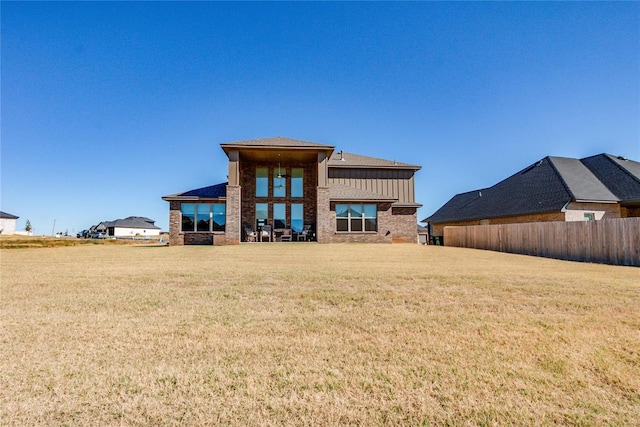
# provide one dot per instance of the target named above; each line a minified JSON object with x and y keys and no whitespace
{"x":342,"y":159}
{"x":622,"y":158}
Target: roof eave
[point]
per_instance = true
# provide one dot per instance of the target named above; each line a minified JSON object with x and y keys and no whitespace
{"x":407,"y":205}
{"x":347,"y":199}
{"x":597,"y":201}
{"x":178,"y":198}
{"x":346,"y":166}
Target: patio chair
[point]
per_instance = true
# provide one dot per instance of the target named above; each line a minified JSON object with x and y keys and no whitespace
{"x":305,"y":233}
{"x":286,"y":235}
{"x":250,"y":235}
{"x":267,"y":233}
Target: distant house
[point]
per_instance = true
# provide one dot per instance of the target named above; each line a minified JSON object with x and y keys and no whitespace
{"x":7,"y":223}
{"x":283,"y":189}
{"x":552,"y":189}
{"x":128,"y":227}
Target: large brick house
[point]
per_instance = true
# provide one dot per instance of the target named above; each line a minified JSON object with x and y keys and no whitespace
{"x":552,"y":189}
{"x":282,"y":189}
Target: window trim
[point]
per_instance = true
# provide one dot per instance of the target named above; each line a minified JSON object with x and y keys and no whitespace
{"x":363,"y":218}
{"x":210,"y":215}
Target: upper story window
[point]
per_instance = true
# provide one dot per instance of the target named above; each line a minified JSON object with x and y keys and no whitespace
{"x":356,"y":217}
{"x":297,"y":182}
{"x":279,"y":183}
{"x":262,"y":182}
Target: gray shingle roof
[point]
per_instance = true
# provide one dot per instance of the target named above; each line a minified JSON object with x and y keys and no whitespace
{"x":210,"y":192}
{"x":580,"y":181}
{"x":340,"y":192}
{"x":545,"y":186}
{"x":342,"y":159}
{"x":621,"y":176}
{"x":277,"y":141}
{"x":133,"y":222}
{"x":8,"y":215}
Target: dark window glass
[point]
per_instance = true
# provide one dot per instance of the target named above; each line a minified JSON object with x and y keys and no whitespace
{"x":262,"y":214}
{"x":203,"y":216}
{"x":188,"y":216}
{"x":279,"y":183}
{"x":370,"y":218}
{"x":262,"y":182}
{"x":356,"y":217}
{"x":370,"y":224}
{"x":279,"y":215}
{"x":297,"y":217}
{"x":342,"y":224}
{"x":219,"y":216}
{"x":297,"y":182}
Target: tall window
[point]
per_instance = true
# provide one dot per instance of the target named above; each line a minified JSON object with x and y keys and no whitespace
{"x":297,"y":182}
{"x":219,"y":215}
{"x":297,"y":216}
{"x":262,"y":182}
{"x":356,"y":217}
{"x":279,"y":183}
{"x":188,"y":216}
{"x":279,"y":215}
{"x":262,"y":214}
{"x":204,"y":217}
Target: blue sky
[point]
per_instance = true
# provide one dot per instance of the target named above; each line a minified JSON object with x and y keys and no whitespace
{"x":106,"y":107}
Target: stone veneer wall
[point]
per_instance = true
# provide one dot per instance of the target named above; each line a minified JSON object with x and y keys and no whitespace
{"x":233,"y":226}
{"x":325,"y":221}
{"x":404,"y":225}
{"x":176,"y":238}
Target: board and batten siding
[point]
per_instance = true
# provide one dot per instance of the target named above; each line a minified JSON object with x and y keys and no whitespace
{"x":397,"y":183}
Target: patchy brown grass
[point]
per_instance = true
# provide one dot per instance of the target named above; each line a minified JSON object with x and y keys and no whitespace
{"x":22,"y":242}
{"x":300,"y":334}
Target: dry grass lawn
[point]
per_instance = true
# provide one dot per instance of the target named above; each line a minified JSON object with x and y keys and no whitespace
{"x":310,"y":334}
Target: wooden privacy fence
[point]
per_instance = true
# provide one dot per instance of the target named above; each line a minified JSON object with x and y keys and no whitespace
{"x":611,"y":241}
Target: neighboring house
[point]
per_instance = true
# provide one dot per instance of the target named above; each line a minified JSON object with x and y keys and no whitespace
{"x":128,"y":227}
{"x":7,"y":223}
{"x":287,"y":189}
{"x":552,"y":189}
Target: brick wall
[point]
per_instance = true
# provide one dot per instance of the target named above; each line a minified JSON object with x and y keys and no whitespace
{"x":233,"y":226}
{"x":326,"y":218}
{"x":248,"y":183}
{"x":404,"y":225}
{"x":176,"y":238}
{"x":395,"y":225}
